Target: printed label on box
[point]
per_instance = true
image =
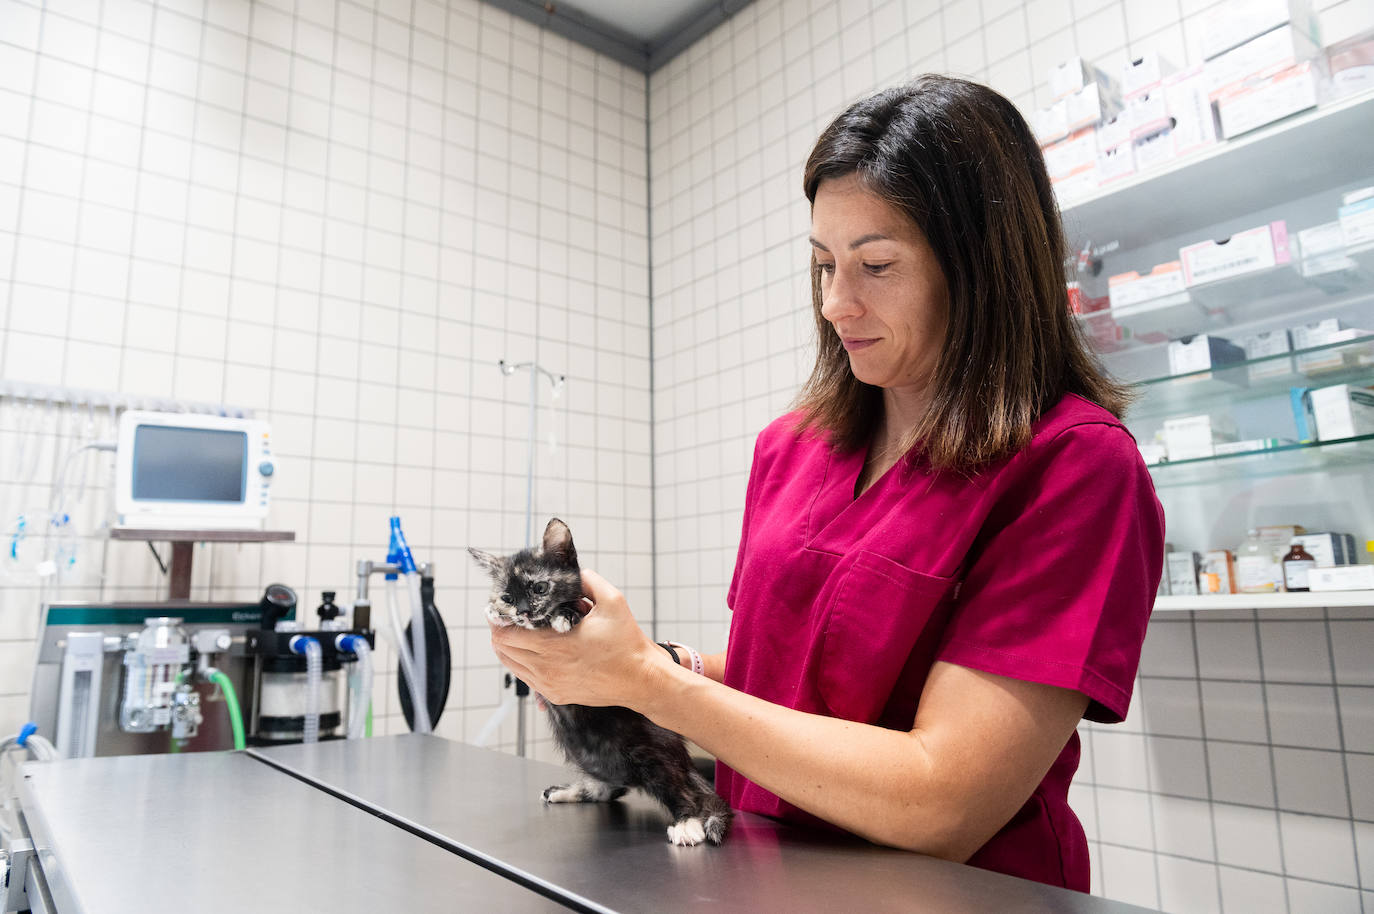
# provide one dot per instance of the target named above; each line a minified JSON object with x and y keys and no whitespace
{"x":1244,"y":252}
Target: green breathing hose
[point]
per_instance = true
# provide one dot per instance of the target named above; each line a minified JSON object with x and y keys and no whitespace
{"x":231,"y":700}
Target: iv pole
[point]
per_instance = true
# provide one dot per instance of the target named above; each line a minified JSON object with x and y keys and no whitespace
{"x":535,"y":369}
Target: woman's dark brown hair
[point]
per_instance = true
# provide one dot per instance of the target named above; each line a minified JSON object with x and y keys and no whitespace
{"x":959,"y":160}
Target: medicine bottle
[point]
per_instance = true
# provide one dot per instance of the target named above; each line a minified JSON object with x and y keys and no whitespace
{"x":1297,"y":564}
{"x":1258,"y":567}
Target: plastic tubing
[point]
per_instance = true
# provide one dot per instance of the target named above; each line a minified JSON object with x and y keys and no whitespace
{"x":493,"y":723}
{"x":361,"y":697}
{"x":314,"y":669}
{"x":419,"y":656}
{"x":420,"y":710}
{"x":231,"y":701}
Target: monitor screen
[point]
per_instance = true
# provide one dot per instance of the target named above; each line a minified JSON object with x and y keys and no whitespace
{"x":189,"y":464}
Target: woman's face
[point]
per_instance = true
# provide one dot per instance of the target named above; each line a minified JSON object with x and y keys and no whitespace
{"x":881,"y":287}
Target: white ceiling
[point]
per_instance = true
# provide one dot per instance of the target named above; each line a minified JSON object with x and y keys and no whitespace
{"x":647,"y":20}
{"x":644,"y":34}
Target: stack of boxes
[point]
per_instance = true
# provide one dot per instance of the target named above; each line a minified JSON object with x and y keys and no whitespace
{"x":1084,"y":97}
{"x":1262,"y":62}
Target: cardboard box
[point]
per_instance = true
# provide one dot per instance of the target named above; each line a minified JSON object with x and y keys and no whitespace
{"x":1343,"y":411}
{"x":1342,"y":577}
{"x":1075,"y":74}
{"x":1329,"y":548}
{"x":1250,"y":251}
{"x":1202,"y":352}
{"x":1051,"y":124}
{"x":1115,"y":163}
{"x":1114,"y":132}
{"x":1264,"y":56}
{"x":1300,"y":399}
{"x":1144,"y":73}
{"x":1357,"y":220}
{"x":1181,"y":572}
{"x":1256,"y":103}
{"x":1148,"y":112}
{"x":1091,"y":104}
{"x":1072,"y":154}
{"x":1131,"y":288}
{"x":1154,"y":150}
{"x":1236,"y":22}
{"x":1074,"y":187}
{"x":1269,"y":343}
{"x":1193,"y":437}
{"x":1316,"y":333}
{"x":1218,"y":572}
{"x":1190,"y":107}
{"x":1351,"y":63}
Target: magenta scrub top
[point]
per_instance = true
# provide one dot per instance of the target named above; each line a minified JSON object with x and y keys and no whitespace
{"x":1043,"y":568}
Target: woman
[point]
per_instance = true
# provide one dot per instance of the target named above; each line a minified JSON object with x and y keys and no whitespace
{"x":951,"y":548}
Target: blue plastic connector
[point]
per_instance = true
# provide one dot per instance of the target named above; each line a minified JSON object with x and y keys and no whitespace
{"x":347,"y":642}
{"x":29,"y":729}
{"x":399,"y":552}
{"x":298,"y":643}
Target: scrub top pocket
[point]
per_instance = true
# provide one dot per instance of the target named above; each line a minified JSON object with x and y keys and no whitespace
{"x":884,"y":626}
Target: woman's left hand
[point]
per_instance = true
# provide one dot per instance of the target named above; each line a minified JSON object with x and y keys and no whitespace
{"x":604,"y":660}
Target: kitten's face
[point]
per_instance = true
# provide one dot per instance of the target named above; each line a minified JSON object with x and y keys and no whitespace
{"x":529,"y":586}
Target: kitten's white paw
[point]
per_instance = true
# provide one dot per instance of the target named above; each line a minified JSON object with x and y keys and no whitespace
{"x":562,"y":624}
{"x":687,"y":833}
{"x":495,"y":617}
{"x":568,"y":793}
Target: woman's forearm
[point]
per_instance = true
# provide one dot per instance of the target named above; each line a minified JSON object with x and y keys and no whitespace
{"x":978,"y":748}
{"x":875,"y":782}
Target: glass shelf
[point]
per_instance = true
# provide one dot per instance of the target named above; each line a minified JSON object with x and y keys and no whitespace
{"x":1270,"y":602}
{"x":1308,"y":457}
{"x":1302,"y":154}
{"x":1343,"y":276}
{"x":1347,"y":362}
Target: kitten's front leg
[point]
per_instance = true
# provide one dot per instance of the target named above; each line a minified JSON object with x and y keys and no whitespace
{"x":496,"y":617}
{"x":565,"y":617}
{"x":584,"y":791}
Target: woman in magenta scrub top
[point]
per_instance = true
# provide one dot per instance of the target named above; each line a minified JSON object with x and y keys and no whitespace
{"x":950,"y":548}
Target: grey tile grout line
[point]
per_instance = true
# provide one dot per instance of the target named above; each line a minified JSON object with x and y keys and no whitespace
{"x":1273,"y":765}
{"x":1345,"y":761}
{"x":1206,"y":761}
{"x":1232,"y":866}
{"x":23,"y":194}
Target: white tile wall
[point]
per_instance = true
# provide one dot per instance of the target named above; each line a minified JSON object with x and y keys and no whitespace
{"x":1193,"y":802}
{"x":340,"y":217}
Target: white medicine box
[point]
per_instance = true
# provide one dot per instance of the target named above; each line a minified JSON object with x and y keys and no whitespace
{"x":1075,"y":74}
{"x":1262,"y":345}
{"x":1234,"y":22}
{"x":1343,"y":411}
{"x":1250,"y":251}
{"x":1191,"y":437}
{"x":1201,"y":352}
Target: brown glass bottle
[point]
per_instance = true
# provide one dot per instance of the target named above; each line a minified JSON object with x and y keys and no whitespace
{"x":1297,"y":564}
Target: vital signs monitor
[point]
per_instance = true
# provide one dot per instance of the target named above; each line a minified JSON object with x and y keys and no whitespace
{"x":181,"y":471}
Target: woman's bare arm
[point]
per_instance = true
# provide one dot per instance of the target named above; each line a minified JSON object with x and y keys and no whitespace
{"x":978,"y":747}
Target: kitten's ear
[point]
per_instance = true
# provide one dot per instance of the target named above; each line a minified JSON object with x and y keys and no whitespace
{"x":558,"y":542}
{"x":494,"y":564}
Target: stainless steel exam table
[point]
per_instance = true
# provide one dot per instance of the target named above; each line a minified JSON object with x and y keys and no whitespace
{"x":417,"y":823}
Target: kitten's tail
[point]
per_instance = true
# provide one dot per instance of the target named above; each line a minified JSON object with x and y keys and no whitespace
{"x":716,"y":817}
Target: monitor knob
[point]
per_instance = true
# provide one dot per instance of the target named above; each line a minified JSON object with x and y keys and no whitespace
{"x":266,"y":468}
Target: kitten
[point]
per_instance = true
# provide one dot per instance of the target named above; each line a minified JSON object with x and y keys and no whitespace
{"x":615,"y":748}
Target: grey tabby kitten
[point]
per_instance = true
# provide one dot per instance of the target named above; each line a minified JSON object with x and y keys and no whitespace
{"x":615,"y":748}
